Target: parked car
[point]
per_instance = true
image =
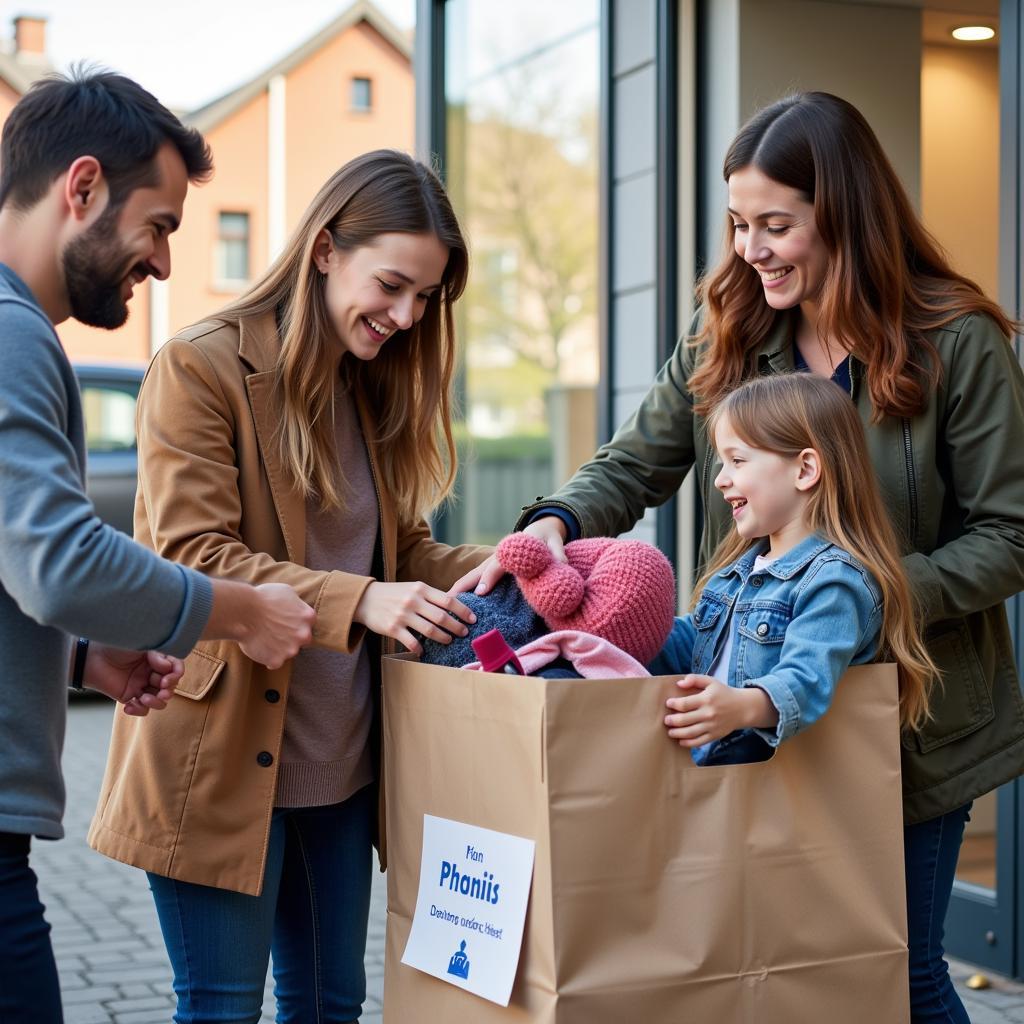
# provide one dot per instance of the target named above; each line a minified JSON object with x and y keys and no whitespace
{"x":109,"y":394}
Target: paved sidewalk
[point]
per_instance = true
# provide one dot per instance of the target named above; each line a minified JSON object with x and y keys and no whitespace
{"x":113,"y":966}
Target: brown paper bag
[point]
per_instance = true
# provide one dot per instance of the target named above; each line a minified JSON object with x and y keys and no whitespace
{"x":663,"y":893}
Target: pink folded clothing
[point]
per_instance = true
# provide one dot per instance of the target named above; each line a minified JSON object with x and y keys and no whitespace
{"x":591,"y":656}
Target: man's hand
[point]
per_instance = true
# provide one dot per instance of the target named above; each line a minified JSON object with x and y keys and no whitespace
{"x":283,"y":626}
{"x":142,"y":681}
{"x":710,"y":710}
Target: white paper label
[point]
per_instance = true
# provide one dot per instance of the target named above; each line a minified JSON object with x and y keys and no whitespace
{"x":468,"y":925}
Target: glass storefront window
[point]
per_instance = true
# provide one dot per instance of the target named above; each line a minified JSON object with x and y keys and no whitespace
{"x":522,"y":169}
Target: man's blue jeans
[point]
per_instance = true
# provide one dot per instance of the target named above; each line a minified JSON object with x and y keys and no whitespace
{"x":312,"y":914}
{"x":931,"y":849}
{"x":29,"y":989}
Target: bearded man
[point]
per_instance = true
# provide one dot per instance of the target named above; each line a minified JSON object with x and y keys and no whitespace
{"x":93,"y":178}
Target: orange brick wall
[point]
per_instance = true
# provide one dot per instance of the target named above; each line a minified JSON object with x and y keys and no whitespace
{"x":239,"y":185}
{"x":323,"y":132}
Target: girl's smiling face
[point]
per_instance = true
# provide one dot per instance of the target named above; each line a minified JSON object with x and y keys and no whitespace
{"x":774,"y":230}
{"x":768,"y":492}
{"x":379,"y":289}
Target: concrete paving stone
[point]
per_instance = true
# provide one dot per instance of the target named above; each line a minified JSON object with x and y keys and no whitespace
{"x":70,"y":963}
{"x":93,"y":948}
{"x":152,"y":955}
{"x":88,"y":993}
{"x":149,"y":1003}
{"x":982,"y":1014}
{"x":86,"y":1013}
{"x":137,"y":990}
{"x":144,"y":1016}
{"x":100,"y":960}
{"x":68,"y":937}
{"x":136,"y":973}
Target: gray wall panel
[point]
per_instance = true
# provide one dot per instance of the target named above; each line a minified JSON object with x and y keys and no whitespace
{"x":625,"y":404}
{"x":633,"y":257}
{"x":635,"y":324}
{"x":646,"y":529}
{"x":633,"y":29}
{"x":634,"y":98}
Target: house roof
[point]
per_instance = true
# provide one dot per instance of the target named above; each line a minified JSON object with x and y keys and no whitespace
{"x":20,"y":72}
{"x":213,"y":113}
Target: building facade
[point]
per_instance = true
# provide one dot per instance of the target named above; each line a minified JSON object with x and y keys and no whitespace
{"x":275,"y":140}
{"x":667,"y":83}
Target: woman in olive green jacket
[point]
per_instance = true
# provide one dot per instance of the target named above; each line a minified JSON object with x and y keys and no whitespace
{"x":828,"y":269}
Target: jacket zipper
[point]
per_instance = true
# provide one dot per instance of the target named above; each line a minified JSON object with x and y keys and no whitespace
{"x":908,"y":454}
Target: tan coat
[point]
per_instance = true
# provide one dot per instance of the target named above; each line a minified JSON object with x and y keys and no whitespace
{"x":188,"y":791}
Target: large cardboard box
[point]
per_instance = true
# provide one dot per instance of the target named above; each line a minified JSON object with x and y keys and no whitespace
{"x":662,"y":893}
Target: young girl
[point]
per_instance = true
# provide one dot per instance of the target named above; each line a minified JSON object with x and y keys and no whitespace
{"x":297,"y":436}
{"x":808,"y":581}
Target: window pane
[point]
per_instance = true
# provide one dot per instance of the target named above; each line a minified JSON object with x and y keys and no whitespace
{"x":521,"y":165}
{"x":361,"y":94}
{"x":233,"y":247}
{"x":109,"y":418}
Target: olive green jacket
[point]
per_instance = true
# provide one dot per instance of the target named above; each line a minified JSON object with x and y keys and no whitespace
{"x":953,"y":481}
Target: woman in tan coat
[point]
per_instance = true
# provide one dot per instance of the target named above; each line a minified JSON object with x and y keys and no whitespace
{"x":298,"y":437}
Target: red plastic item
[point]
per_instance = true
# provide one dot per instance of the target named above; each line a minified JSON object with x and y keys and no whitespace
{"x":495,"y":654}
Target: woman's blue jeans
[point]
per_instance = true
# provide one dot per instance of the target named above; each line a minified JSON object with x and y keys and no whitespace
{"x":312,"y":914}
{"x":931,"y":849}
{"x":29,"y":989}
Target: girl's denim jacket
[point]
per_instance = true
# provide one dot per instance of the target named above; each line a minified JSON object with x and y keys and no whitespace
{"x":798,"y":624}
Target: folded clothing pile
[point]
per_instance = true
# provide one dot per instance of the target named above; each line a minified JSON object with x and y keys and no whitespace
{"x":621,"y":593}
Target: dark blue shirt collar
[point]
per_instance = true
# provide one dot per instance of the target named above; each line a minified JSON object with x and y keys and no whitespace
{"x":840,"y":376}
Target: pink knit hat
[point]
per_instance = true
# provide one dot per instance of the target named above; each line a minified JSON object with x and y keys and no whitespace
{"x":621,"y":590}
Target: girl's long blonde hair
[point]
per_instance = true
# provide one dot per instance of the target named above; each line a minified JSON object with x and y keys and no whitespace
{"x":408,"y":384}
{"x":787,"y":413}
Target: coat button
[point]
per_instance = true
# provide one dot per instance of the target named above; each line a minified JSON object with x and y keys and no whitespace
{"x":264,"y":759}
{"x":756,"y":581}
{"x":762,"y":630}
{"x":272,"y":696}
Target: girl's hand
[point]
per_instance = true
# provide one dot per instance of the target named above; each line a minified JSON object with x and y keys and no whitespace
{"x":396,"y":609}
{"x":483,"y":578}
{"x":710,"y":710}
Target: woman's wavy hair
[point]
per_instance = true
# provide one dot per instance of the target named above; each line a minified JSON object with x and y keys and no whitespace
{"x":788,"y":413}
{"x":408,"y":384}
{"x":888,"y":281}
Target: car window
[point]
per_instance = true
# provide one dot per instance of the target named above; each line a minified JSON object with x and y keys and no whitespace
{"x":109,"y":411}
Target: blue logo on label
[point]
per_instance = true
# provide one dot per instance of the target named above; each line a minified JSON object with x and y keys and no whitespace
{"x":459,"y":963}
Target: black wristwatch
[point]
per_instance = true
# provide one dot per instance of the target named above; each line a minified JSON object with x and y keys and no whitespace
{"x":78,"y":672}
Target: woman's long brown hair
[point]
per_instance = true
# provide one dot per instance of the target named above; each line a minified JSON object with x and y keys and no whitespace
{"x":888,"y":282}
{"x":788,"y":413}
{"x":408,"y":384}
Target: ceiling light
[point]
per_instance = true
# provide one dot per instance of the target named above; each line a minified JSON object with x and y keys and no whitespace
{"x":973,"y":33}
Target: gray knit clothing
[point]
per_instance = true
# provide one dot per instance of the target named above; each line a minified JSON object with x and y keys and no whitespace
{"x":503,"y":608}
{"x":63,"y":572}
{"x":325,"y":755}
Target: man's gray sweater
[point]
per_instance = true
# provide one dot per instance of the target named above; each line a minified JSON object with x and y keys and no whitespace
{"x":63,"y":572}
